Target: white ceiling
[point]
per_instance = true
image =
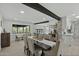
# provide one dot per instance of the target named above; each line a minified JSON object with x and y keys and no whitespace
{"x":11,"y":11}
{"x":63,"y":9}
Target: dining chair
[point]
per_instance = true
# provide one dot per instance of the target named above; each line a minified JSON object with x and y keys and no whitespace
{"x":40,"y":37}
{"x":26,"y":44}
{"x":33,"y":50}
{"x":46,"y":36}
{"x":31,"y":46}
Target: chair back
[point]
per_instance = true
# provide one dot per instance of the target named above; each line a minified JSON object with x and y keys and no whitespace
{"x":31,"y":45}
{"x":25,"y":40}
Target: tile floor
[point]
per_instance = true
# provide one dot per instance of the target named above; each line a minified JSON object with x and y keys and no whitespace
{"x":15,"y":49}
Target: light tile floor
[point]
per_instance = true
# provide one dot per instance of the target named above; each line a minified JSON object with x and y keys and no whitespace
{"x":16,"y":49}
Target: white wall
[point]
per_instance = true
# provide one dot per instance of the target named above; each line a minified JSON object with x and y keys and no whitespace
{"x":0,"y":37}
{"x":0,"y":29}
{"x":69,"y":44}
{"x":7,"y":24}
{"x":42,"y":26}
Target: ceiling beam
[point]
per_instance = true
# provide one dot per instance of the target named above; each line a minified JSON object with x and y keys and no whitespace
{"x":42,"y":9}
{"x":41,"y":22}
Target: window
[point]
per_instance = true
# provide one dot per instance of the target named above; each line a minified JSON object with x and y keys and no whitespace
{"x":25,"y":29}
{"x":20,"y":28}
{"x":14,"y":29}
{"x":28,"y":28}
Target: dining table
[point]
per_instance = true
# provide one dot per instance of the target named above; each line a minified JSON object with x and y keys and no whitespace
{"x":43,"y":43}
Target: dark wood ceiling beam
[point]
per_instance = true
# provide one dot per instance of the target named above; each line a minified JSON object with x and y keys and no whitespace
{"x":41,"y":22}
{"x":42,"y":9}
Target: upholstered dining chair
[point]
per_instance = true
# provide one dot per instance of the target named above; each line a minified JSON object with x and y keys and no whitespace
{"x":29,"y":47}
{"x":33,"y":50}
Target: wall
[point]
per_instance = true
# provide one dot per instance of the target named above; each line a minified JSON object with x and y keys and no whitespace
{"x":0,"y":36}
{"x":62,"y":40}
{"x":7,"y":24}
{"x":43,"y":26}
{"x":0,"y":29}
{"x":69,"y":44}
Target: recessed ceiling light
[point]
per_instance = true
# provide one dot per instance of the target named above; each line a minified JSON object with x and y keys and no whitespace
{"x":73,"y":14}
{"x":21,"y":12}
{"x":77,"y":17}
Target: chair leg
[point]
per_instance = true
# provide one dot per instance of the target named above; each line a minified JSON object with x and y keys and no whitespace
{"x":27,"y":51}
{"x":33,"y":54}
{"x":43,"y":54}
